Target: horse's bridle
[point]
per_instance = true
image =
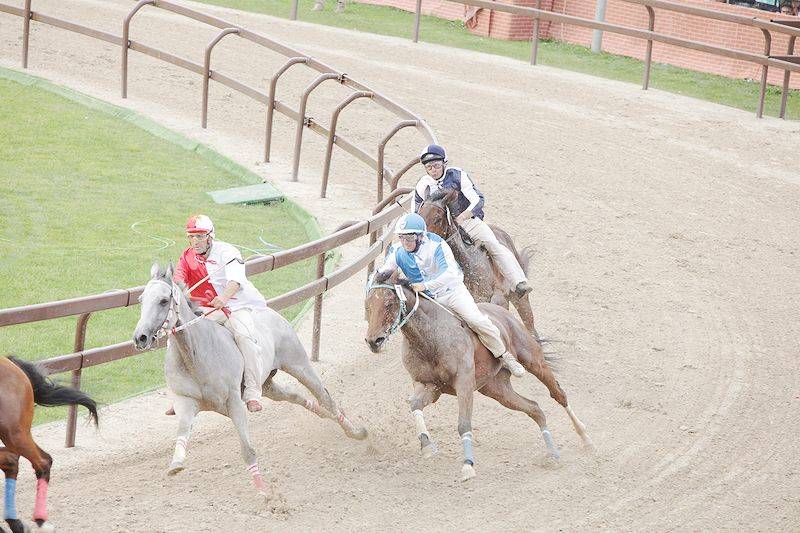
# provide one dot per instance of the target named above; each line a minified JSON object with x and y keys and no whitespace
{"x":170,"y":324}
{"x":451,"y":229}
{"x":402,"y":314}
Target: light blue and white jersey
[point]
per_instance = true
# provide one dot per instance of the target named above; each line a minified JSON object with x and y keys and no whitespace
{"x":432,"y":264}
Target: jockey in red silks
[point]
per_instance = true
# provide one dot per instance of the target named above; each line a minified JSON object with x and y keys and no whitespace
{"x":226,"y":292}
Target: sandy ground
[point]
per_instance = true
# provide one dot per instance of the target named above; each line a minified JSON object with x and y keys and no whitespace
{"x":666,"y":266}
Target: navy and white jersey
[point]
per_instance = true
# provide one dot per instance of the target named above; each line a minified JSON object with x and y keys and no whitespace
{"x":469,"y":197}
{"x":432,"y":264}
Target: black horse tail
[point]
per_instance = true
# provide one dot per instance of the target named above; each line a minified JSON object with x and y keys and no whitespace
{"x":49,"y":394}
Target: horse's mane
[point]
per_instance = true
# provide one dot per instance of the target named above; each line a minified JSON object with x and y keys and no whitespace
{"x":444,"y":195}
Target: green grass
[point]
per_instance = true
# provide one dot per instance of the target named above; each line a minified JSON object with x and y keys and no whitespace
{"x":73,"y":182}
{"x":389,"y":21}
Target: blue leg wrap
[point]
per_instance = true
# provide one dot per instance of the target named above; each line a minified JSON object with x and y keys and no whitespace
{"x":11,"y":501}
{"x":466,"y":441}
{"x":548,"y":440}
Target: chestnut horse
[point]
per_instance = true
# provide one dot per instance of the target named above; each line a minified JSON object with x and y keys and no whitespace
{"x":481,"y":276}
{"x":442,"y":355}
{"x":21,"y":386}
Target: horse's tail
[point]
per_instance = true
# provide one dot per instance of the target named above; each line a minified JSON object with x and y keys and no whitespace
{"x":49,"y":394}
{"x":524,"y":257}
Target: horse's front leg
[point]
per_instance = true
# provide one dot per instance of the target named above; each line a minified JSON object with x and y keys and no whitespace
{"x":238,"y":415}
{"x":9,"y":463}
{"x":465,"y":390}
{"x":186,"y":409}
{"x":424,"y":395}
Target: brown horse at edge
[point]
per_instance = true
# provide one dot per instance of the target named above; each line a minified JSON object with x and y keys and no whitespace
{"x":21,"y":386}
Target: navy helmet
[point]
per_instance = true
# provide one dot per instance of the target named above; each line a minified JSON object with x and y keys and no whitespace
{"x":433,"y":152}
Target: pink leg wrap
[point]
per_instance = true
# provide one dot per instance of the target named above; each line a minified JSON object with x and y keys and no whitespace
{"x":258,"y":481}
{"x":40,"y":509}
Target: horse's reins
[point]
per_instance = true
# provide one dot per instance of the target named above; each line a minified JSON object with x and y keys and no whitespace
{"x":173,"y":302}
{"x":402,"y":316}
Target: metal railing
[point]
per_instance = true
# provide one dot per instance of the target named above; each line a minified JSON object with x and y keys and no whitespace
{"x":786,"y":62}
{"x":384,"y":213}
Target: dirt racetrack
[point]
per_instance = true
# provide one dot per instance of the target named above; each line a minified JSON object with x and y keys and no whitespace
{"x":666,"y":265}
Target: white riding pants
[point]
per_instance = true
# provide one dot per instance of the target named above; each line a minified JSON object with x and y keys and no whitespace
{"x":481,"y":233}
{"x":241,"y":324}
{"x":460,"y":301}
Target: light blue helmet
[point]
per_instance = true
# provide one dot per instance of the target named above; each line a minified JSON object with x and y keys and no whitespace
{"x":410,"y":223}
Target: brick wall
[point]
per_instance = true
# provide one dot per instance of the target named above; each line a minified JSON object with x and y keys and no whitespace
{"x":725,"y":34}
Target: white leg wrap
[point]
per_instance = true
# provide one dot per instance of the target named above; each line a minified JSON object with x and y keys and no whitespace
{"x":180,"y":450}
{"x":419,"y":419}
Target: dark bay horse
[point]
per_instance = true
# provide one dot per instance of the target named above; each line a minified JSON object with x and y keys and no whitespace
{"x":21,"y":386}
{"x":481,"y":276}
{"x":442,"y":355}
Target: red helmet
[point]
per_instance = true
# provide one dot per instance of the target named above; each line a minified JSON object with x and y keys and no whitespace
{"x":200,"y":224}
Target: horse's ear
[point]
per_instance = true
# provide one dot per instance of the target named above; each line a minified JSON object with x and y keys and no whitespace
{"x":154,"y":270}
{"x":451,"y":196}
{"x":169,"y":272}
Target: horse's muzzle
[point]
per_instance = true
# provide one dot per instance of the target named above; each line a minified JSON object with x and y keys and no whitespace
{"x":143,"y":342}
{"x":376,"y":344}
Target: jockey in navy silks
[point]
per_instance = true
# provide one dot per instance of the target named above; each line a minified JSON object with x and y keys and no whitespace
{"x":468,"y":212}
{"x":428,"y":263}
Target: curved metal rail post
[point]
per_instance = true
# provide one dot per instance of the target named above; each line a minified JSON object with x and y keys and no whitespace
{"x":332,"y":136}
{"x":764,"y":69}
{"x":382,"y":148}
{"x":535,"y":40}
{"x":80,"y":343}
{"x":417,"y":13}
{"x":648,"y":55}
{"x":294,"y":9}
{"x":126,"y":42}
{"x":273,"y":82}
{"x":207,"y":71}
{"x":786,"y":75}
{"x":302,"y":120}
{"x":26,"y":31}
{"x":396,"y":178}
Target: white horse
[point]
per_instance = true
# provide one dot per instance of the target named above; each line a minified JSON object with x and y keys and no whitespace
{"x":204,"y":367}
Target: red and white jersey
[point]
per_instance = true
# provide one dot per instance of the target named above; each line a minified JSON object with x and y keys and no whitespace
{"x":223,"y":263}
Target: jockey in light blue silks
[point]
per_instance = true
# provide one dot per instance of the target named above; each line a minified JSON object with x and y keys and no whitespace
{"x":468,"y":212}
{"x":427,"y":262}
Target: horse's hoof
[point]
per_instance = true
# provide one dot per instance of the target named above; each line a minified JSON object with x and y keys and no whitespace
{"x":174,"y":468}
{"x":46,"y":527}
{"x":361,"y":434}
{"x":588,"y":445}
{"x":429,"y":450}
{"x":467,"y":472}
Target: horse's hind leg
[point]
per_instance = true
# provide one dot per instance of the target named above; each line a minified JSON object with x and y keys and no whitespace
{"x":21,"y":442}
{"x":9,"y":464}
{"x":278,"y":393}
{"x":238,"y":415}
{"x":306,"y":375}
{"x":500,"y":389}
{"x":186,"y":409}
{"x":536,"y":365}
{"x":424,"y":395}
{"x":523,"y":307}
